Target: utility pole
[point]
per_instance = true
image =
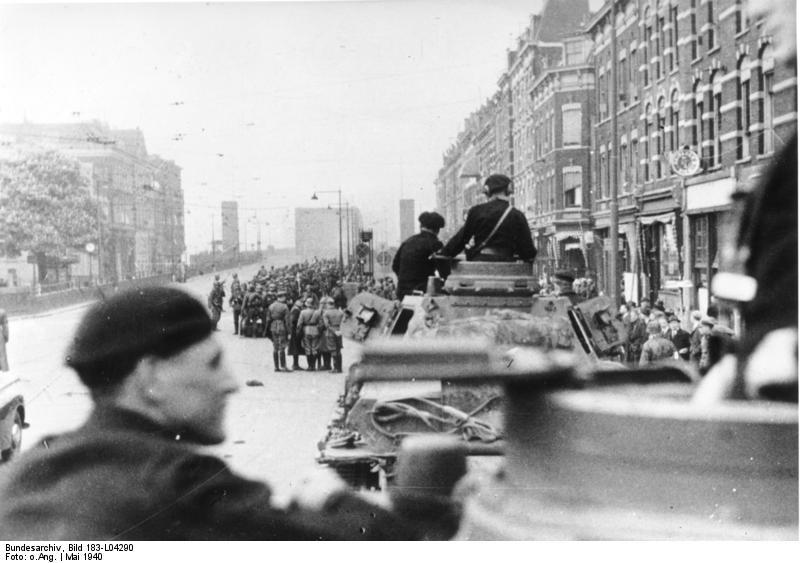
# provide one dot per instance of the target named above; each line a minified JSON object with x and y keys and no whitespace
{"x":613,"y":257}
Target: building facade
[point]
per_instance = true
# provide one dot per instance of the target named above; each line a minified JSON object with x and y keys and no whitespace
{"x":139,"y":196}
{"x":695,"y":79}
{"x":696,"y":75}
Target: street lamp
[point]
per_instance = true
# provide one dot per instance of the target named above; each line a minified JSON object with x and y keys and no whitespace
{"x":337,"y":191}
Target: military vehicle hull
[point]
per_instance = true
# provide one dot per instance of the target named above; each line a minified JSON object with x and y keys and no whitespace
{"x":495,"y":302}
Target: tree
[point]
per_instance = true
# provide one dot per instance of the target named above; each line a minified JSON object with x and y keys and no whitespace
{"x":45,"y":206}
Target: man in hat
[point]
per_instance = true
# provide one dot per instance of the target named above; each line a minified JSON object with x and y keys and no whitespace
{"x":499,"y":232}
{"x":134,"y":471}
{"x":679,"y":337}
{"x":564,"y":280}
{"x":278,"y":329}
{"x":413,"y":261}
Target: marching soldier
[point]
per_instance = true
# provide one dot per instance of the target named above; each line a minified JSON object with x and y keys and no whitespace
{"x":308,"y":330}
{"x":278,"y":329}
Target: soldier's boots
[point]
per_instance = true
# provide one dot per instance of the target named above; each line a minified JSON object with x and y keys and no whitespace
{"x":282,"y":357}
{"x":326,"y":361}
{"x":312,"y":362}
{"x":276,"y":361}
{"x":296,"y":363}
{"x":337,"y":364}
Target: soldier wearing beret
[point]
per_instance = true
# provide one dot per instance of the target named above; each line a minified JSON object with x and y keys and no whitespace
{"x":413,"y":263}
{"x":159,"y":383}
{"x":512,"y":238}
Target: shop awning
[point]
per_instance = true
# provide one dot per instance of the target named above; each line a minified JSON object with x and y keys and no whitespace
{"x":563,"y":235}
{"x":661,"y":218}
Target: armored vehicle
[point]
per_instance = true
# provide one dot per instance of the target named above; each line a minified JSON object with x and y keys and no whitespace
{"x":490,"y":302}
{"x":618,"y":454}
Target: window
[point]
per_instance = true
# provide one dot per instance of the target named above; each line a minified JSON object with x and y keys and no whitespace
{"x":661,"y":139}
{"x":715,"y":126}
{"x":603,"y":175}
{"x":693,"y":27}
{"x":740,"y":17}
{"x":711,"y":35}
{"x":622,"y":76}
{"x":743,"y":111}
{"x":624,"y":164}
{"x":648,"y":37}
{"x":769,"y":110}
{"x":571,"y":117}
{"x":574,"y":52}
{"x":633,"y":91}
{"x":659,"y":44}
{"x":675,"y":120}
{"x":634,"y":162}
{"x":673,"y":58}
{"x":572,"y":177}
{"x":699,"y":122}
{"x":700,"y":241}
{"x":646,"y":144}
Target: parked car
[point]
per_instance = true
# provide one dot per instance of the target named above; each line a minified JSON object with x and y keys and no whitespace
{"x":12,"y":415}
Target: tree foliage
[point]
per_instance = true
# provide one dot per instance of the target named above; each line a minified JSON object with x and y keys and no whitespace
{"x":45,"y":204}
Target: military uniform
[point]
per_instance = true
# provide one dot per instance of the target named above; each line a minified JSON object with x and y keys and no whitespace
{"x":295,"y":341}
{"x":278,"y":330}
{"x":215,"y":299}
{"x":513,"y":237}
{"x":655,"y":349}
{"x":412,"y":262}
{"x":308,"y":330}
{"x":332,"y":336}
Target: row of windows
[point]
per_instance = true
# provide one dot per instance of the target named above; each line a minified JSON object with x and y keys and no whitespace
{"x":662,"y":129}
{"x":659,"y":51}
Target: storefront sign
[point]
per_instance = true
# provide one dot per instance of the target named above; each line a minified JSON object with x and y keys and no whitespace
{"x":710,"y":195}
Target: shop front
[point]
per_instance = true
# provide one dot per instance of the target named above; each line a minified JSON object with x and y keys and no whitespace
{"x":707,"y":207}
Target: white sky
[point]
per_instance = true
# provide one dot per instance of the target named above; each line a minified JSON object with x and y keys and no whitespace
{"x":297,"y":96}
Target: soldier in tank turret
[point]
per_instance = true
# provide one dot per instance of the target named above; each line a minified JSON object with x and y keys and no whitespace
{"x":499,"y":232}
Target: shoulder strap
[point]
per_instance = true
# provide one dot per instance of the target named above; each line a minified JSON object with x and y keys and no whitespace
{"x":497,"y":226}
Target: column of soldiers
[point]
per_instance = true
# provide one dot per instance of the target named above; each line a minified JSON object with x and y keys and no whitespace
{"x":300,"y":308}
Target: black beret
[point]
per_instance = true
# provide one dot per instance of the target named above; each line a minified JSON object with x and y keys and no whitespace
{"x":117,"y":332}
{"x":431,"y":220}
{"x":497,"y":182}
{"x":564,"y":275}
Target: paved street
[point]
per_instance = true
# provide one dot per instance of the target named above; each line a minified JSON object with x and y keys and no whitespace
{"x":272,"y":430}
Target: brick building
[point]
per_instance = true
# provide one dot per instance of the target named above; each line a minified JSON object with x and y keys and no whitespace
{"x":694,"y":73}
{"x":556,"y":200}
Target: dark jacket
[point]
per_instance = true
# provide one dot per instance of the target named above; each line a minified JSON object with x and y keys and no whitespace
{"x":513,"y":236}
{"x":122,"y":477}
{"x":682,"y":341}
{"x":412,"y":262}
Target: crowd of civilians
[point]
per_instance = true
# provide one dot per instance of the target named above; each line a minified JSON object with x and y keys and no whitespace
{"x":655,"y":333}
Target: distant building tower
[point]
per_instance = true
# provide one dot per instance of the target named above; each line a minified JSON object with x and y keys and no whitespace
{"x":230,"y":227}
{"x":407,"y":222}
